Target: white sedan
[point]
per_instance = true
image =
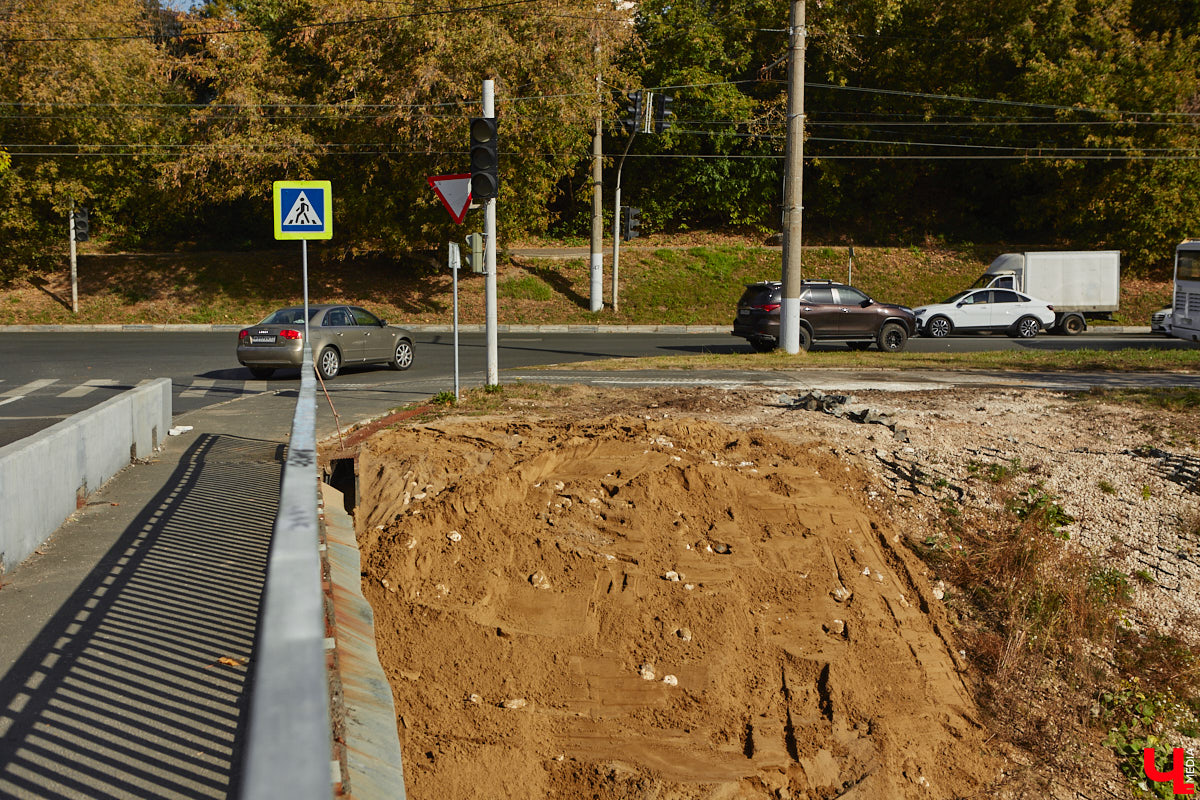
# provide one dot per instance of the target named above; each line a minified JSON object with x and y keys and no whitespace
{"x":1000,"y":310}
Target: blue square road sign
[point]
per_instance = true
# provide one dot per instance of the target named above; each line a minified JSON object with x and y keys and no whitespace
{"x":303,"y":210}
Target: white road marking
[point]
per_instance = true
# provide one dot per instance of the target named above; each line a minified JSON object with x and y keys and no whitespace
{"x":199,"y":388}
{"x":29,"y":388}
{"x":88,"y":387}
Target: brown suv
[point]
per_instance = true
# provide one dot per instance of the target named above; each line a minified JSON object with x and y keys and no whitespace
{"x":829,"y":312}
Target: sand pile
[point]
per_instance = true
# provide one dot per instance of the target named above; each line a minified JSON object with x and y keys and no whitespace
{"x":670,"y":608}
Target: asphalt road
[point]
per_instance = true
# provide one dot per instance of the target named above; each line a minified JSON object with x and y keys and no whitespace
{"x":46,"y":377}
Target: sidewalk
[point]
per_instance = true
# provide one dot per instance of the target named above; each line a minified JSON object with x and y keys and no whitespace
{"x":125,"y":645}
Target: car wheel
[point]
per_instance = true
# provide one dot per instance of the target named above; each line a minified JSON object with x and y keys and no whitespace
{"x":805,"y":339}
{"x":1073,"y":325}
{"x":403,"y":357}
{"x":938,"y":327}
{"x":262,"y":373}
{"x":763,"y":345}
{"x":892,"y":338}
{"x":1026,"y":328}
{"x":329,"y":363}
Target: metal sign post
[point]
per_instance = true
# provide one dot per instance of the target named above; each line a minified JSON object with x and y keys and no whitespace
{"x":455,"y":261}
{"x":303,"y":210}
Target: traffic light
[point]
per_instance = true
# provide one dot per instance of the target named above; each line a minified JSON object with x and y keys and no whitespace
{"x":81,"y":224}
{"x":475,"y":246}
{"x":633,"y":111}
{"x":633,"y":222}
{"x":485,"y":161}
{"x":663,"y":113}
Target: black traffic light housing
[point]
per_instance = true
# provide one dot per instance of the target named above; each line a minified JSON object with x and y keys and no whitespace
{"x":485,"y":160}
{"x":663,"y":111}
{"x":633,"y":222}
{"x":633,"y":111}
{"x":82,"y":227}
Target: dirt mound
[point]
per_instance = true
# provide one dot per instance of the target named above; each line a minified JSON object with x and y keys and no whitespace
{"x":670,"y":608}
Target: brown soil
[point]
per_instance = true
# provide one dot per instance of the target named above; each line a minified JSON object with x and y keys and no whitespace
{"x":596,"y":601}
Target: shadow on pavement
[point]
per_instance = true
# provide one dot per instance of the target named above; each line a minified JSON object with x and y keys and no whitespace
{"x":136,"y":687}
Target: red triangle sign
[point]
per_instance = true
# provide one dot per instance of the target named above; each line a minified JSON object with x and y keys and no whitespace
{"x":455,"y":193}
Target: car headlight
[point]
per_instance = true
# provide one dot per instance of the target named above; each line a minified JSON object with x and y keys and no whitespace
{"x":918,"y":312}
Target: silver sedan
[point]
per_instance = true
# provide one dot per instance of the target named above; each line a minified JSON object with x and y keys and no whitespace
{"x":341,"y":335}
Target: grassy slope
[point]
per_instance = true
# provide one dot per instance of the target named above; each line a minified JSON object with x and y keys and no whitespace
{"x":661,"y":282}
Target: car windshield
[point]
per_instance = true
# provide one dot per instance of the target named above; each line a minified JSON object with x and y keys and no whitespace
{"x":289,"y":316}
{"x":956,"y":297}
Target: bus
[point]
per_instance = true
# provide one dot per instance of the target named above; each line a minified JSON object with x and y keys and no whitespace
{"x":1184,"y":322}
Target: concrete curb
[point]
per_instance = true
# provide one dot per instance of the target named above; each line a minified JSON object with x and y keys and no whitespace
{"x":46,"y":477}
{"x":544,"y":328}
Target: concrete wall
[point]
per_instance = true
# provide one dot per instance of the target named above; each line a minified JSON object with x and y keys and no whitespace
{"x":45,"y":477}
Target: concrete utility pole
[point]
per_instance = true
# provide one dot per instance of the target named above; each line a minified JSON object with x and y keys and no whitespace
{"x":74,"y":271}
{"x":793,"y":200}
{"x":489,"y":233}
{"x":597,"y":272}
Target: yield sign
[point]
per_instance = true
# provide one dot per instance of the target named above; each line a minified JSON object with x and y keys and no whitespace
{"x":455,"y":192}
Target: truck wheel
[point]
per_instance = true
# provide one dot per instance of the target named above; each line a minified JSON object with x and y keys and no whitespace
{"x":892,"y":338}
{"x":938,"y":327}
{"x":1026,"y":328}
{"x":1072,"y":325}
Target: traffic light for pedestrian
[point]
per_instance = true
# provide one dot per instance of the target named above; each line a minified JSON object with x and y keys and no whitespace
{"x":633,"y":222}
{"x":81,"y":224}
{"x":664,"y":113}
{"x":475,"y":248}
{"x":485,"y":160}
{"x":633,"y":112}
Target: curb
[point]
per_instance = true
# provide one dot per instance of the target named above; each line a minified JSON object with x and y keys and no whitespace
{"x":545,"y":328}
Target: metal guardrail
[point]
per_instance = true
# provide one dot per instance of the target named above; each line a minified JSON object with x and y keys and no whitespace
{"x":288,"y":741}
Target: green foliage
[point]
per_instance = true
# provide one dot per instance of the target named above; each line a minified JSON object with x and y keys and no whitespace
{"x":1139,"y":717}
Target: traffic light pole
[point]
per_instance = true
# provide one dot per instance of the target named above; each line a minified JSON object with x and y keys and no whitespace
{"x":616,"y":259}
{"x":789,"y":320}
{"x":489,"y":232}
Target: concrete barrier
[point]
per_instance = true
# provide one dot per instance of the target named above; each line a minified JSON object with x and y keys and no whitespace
{"x":45,"y":477}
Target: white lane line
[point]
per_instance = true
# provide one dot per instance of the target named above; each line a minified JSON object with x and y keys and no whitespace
{"x":88,"y":387}
{"x":29,"y":388}
{"x":199,"y":387}
{"x":12,"y":399}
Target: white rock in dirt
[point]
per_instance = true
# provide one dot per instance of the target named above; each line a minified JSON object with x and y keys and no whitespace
{"x":939,"y":590}
{"x":672,"y":575}
{"x":515,"y":703}
{"x":685,"y":634}
{"x":647,"y":672}
{"x":454,"y":536}
{"x":474,"y":698}
{"x":539,"y":580}
{"x":836,"y":627}
{"x":670,"y":680}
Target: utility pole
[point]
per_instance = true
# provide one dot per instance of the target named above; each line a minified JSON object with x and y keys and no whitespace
{"x":793,"y":200}
{"x":597,"y":271}
{"x":74,"y":271}
{"x":489,"y":233}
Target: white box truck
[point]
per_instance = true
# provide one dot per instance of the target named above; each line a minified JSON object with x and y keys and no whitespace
{"x":1081,"y":285}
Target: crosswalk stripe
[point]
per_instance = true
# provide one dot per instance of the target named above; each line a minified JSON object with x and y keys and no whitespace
{"x":88,"y":387}
{"x":199,"y":388}
{"x":29,"y":388}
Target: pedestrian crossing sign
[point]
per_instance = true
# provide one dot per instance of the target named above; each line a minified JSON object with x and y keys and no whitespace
{"x":303,"y":210}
